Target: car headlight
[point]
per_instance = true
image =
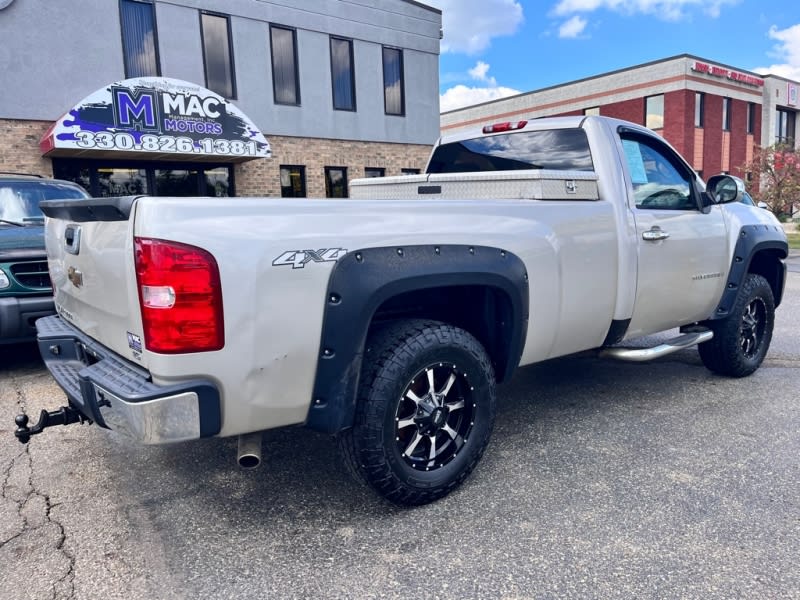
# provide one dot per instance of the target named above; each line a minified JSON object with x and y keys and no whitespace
{"x":4,"y":280}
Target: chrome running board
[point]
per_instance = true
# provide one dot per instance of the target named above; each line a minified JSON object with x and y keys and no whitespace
{"x":644,"y":354}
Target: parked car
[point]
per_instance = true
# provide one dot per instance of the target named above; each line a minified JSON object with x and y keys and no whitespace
{"x":25,"y":290}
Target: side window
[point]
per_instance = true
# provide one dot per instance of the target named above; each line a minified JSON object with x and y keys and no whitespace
{"x":659,"y":180}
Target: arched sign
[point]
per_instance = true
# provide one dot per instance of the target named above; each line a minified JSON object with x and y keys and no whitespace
{"x":156,"y":117}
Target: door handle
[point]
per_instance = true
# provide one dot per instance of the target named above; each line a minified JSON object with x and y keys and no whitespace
{"x":654,"y":234}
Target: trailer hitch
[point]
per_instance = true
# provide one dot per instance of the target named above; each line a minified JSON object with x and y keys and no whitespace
{"x":66,"y":415}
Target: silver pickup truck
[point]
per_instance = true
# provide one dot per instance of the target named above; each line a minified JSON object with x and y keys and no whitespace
{"x":387,"y":319}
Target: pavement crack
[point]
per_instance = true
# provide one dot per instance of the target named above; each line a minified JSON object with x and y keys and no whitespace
{"x":35,"y":508}
{"x":68,"y":578}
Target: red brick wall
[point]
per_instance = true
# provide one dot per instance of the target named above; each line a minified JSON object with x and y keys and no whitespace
{"x":630,"y":110}
{"x":679,"y":121}
{"x":738,"y":137}
{"x":571,"y":113}
{"x":712,"y":143}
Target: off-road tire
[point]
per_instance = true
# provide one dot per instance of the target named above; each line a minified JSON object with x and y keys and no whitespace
{"x":401,"y":362}
{"x":741,"y":340}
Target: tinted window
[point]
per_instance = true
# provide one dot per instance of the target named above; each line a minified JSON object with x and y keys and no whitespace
{"x":393,"y":93}
{"x":654,"y":112}
{"x":551,"y":149}
{"x":344,"y":93}
{"x":284,"y":66}
{"x":336,"y":182}
{"x":217,"y":54}
{"x":19,"y":200}
{"x":138,"y":38}
{"x":293,"y":181}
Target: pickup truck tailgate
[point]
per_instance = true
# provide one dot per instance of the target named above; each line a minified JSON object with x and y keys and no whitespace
{"x":90,"y":256}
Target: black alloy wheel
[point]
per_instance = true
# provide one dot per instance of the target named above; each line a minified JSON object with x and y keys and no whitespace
{"x":425,"y":411}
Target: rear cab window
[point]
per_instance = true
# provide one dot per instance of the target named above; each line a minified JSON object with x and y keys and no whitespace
{"x":561,"y":149}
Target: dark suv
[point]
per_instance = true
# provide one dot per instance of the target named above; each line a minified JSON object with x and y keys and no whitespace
{"x":25,"y":290}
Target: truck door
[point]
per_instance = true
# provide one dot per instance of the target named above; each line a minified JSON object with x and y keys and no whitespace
{"x":682,"y":250}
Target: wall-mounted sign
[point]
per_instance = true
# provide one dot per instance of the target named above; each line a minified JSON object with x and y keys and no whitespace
{"x":156,"y":117}
{"x":791,"y":94}
{"x":722,"y":72}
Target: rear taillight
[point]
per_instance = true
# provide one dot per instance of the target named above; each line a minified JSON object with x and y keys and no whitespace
{"x":507,"y":126}
{"x":180,"y":295}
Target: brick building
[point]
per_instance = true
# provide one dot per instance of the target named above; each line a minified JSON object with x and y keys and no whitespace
{"x":187,"y":97}
{"x":714,"y":115}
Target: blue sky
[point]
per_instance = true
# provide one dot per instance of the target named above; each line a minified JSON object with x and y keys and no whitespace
{"x":495,"y":48}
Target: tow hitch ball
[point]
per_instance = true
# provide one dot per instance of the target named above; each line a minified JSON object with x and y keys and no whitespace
{"x":66,"y":415}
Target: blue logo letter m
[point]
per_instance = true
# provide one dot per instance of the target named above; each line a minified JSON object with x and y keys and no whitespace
{"x":135,"y":109}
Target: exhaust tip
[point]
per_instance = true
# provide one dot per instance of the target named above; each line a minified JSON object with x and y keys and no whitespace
{"x":249,"y":455}
{"x":249,"y":461}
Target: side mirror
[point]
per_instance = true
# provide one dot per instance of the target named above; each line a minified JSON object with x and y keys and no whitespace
{"x":763,"y":205}
{"x":724,"y":189}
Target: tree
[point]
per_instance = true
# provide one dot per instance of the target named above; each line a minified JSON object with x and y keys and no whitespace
{"x":776,"y":178}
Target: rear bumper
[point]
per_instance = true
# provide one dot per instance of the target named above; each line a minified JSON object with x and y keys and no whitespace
{"x":18,"y":314}
{"x":119,"y":395}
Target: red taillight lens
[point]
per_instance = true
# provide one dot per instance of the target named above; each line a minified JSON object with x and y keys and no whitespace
{"x":507,"y":126}
{"x":180,"y":295}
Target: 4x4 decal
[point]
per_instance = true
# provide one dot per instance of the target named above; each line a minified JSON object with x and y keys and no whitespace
{"x":299,"y":258}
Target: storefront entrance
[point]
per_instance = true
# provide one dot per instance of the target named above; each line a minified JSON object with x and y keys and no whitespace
{"x":105,"y":178}
{"x":153,"y":135}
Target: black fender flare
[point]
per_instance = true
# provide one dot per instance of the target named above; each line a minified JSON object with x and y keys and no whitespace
{"x":364,"y":279}
{"x":754,"y":239}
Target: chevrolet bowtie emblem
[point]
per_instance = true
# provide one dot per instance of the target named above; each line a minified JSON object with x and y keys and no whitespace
{"x":75,"y":276}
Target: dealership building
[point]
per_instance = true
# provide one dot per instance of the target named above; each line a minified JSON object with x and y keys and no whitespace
{"x":208,"y":97}
{"x":713,"y":114}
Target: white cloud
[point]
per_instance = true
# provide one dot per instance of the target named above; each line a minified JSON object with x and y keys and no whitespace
{"x":462,"y":95}
{"x":572,"y":28}
{"x":470,"y":25}
{"x":670,"y":10}
{"x":788,"y":50}
{"x":479,"y":71}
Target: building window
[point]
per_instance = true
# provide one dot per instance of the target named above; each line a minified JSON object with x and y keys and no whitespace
{"x":343,"y":74}
{"x":751,"y":117}
{"x":726,"y":114}
{"x":285,"y":80}
{"x":784,"y":127}
{"x":215,"y":31}
{"x":592,"y":112}
{"x":699,"y":109}
{"x":654,"y":112}
{"x":409,"y":171}
{"x":139,"y":40}
{"x":293,"y":181}
{"x":394,"y":100}
{"x":336,"y":182}
{"x":374,"y":171}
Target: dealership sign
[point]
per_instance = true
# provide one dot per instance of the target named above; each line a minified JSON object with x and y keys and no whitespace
{"x":715,"y":71}
{"x":156,"y":117}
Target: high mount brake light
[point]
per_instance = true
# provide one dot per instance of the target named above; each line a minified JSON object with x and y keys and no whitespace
{"x":180,"y":297}
{"x":507,"y":126}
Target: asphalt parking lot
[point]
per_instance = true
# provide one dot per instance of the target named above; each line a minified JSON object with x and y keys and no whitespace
{"x":602,"y":480}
